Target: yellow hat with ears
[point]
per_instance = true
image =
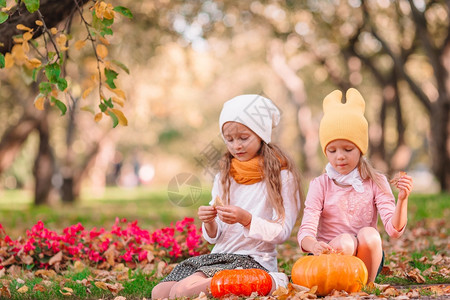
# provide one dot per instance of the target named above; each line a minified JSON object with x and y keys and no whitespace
{"x":344,"y":121}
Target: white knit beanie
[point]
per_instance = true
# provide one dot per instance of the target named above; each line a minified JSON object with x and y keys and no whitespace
{"x":254,"y":111}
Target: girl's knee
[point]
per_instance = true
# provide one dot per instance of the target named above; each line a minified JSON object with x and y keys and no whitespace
{"x":369,"y":236}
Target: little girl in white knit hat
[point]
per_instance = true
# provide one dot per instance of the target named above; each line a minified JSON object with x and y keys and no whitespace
{"x":256,"y":198}
{"x":342,"y":205}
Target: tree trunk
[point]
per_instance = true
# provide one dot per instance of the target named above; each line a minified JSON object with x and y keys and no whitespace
{"x":44,"y":165}
{"x":53,"y":12}
{"x":14,"y":138}
{"x":440,"y":125}
{"x":307,"y":127}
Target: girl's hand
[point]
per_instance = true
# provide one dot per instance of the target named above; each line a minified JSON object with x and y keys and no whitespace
{"x":320,"y":247}
{"x":207,"y":214}
{"x":405,"y":186}
{"x":231,"y":214}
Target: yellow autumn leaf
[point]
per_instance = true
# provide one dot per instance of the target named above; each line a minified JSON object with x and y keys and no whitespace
{"x":99,"y":9}
{"x":34,"y":63}
{"x":66,"y":291}
{"x":80,"y":44}
{"x":102,"y":51}
{"x":45,"y":273}
{"x":17,"y":40}
{"x":27,"y":36}
{"x":101,"y":285}
{"x":109,"y":12}
{"x":103,"y":40}
{"x":25,"y":47}
{"x":88,"y":109}
{"x":98,"y":117}
{"x":9,"y":7}
{"x":23,"y":27}
{"x":18,"y":54}
{"x":103,"y":10}
{"x":23,"y":289}
{"x":39,"y":23}
{"x":122,"y":119}
{"x":61,"y":40}
{"x":102,"y":96}
{"x":39,"y":102}
{"x":118,"y":92}
{"x":53,"y":30}
{"x":87,"y":92}
{"x":118,"y":101}
{"x":9,"y":60}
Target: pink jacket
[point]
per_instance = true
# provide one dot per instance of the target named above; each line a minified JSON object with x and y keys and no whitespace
{"x":331,"y":210}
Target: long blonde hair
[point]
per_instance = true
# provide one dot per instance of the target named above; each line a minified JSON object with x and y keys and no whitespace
{"x":367,"y":171}
{"x":270,"y":164}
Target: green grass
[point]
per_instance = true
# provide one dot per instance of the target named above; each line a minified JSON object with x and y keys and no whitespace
{"x":429,"y":207}
{"x":139,"y":285}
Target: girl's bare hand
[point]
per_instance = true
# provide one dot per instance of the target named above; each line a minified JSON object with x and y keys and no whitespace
{"x":207,"y":214}
{"x":231,"y":214}
{"x":321,"y":247}
{"x":405,"y":186}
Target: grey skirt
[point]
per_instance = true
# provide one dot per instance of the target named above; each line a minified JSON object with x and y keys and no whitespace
{"x":210,"y":264}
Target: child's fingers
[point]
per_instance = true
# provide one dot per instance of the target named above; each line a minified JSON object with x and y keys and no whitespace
{"x":405,"y":184}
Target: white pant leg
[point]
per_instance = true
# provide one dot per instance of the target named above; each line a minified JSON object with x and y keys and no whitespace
{"x":280,"y":279}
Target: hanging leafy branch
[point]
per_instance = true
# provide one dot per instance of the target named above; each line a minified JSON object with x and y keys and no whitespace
{"x":39,"y":50}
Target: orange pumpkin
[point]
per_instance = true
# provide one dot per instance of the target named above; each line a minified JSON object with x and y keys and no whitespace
{"x":241,"y":282}
{"x":330,"y":272}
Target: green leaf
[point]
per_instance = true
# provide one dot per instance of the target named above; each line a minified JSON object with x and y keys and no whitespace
{"x":34,"y":43}
{"x":121,"y":65}
{"x":62,"y":107}
{"x":110,"y":76}
{"x":123,"y":11}
{"x":3,"y":17}
{"x":2,"y":61}
{"x":114,"y":119}
{"x":62,"y":84}
{"x":31,"y":5}
{"x":35,"y":72}
{"x":2,"y":3}
{"x":106,"y":31}
{"x":102,"y":107}
{"x":109,"y":103}
{"x":51,"y":55}
{"x":45,"y":87}
{"x":52,"y":72}
{"x":107,"y":22}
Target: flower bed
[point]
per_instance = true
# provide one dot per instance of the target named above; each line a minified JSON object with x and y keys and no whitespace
{"x":125,"y":243}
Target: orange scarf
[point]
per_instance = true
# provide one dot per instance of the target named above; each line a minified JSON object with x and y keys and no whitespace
{"x":249,"y":172}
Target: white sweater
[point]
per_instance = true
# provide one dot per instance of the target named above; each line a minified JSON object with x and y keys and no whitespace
{"x":261,"y":239}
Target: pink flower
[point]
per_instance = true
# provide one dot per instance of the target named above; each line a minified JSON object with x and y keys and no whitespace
{"x":127,"y":256}
{"x":142,"y":255}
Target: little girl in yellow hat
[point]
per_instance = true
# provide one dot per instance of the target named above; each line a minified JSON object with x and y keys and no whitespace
{"x":342,"y":205}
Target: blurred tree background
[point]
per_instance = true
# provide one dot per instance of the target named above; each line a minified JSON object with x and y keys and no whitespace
{"x":186,"y":58}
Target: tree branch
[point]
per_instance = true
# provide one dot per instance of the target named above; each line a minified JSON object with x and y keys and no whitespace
{"x":53,"y":11}
{"x":398,"y":63}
